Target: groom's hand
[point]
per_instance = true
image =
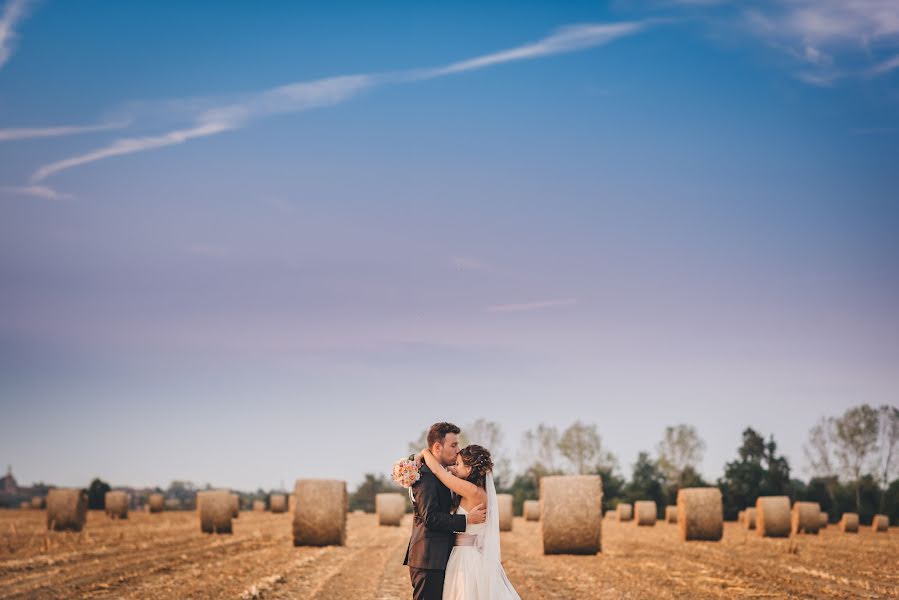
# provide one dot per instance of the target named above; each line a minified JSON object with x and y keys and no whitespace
{"x":477,"y":515}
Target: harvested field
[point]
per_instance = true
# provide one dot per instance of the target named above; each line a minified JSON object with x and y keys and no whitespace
{"x":166,"y":556}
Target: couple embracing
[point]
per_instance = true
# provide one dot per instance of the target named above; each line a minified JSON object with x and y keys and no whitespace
{"x":454,"y":551}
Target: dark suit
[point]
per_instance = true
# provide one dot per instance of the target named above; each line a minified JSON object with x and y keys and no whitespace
{"x":432,"y":536}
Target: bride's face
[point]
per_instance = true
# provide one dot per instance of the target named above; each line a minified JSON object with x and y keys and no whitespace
{"x":461,"y":469}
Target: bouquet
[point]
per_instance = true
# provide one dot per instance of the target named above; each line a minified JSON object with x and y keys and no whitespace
{"x":406,"y":472}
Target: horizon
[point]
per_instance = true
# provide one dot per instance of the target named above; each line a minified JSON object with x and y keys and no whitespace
{"x":284,"y":242}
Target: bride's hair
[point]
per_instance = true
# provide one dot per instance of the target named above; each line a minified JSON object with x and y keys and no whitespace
{"x":478,"y":458}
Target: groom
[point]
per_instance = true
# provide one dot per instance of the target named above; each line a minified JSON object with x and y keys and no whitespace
{"x":433,"y":525}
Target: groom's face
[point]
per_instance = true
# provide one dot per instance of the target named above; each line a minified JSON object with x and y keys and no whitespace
{"x":448,"y":451}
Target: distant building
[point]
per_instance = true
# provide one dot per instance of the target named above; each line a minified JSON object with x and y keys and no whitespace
{"x":8,"y":484}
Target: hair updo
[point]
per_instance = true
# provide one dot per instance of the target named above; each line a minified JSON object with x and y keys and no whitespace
{"x":478,"y":459}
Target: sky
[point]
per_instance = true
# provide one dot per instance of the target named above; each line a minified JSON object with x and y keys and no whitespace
{"x":244,"y":243}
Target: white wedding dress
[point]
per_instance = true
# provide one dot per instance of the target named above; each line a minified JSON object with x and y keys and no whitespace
{"x":474,"y":572}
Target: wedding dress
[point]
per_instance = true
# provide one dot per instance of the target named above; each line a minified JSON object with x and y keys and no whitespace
{"x":474,"y":570}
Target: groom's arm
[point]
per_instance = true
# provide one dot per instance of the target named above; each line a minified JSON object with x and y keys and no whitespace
{"x":434,"y":518}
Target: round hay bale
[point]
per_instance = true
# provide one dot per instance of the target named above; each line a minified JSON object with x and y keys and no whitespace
{"x":822,"y":520}
{"x":172,"y":504}
{"x":292,"y":503}
{"x":235,"y":506}
{"x":24,"y":505}
{"x":881,"y":523}
{"x":625,"y":511}
{"x":611,"y":515}
{"x":38,"y":502}
{"x":320,"y":515}
{"x":749,"y":518}
{"x":505,"y":511}
{"x":700,"y":514}
{"x":116,"y":504}
{"x":740,"y":516}
{"x":390,"y":509}
{"x":531,"y":510}
{"x":773,"y":516}
{"x":805,"y":518}
{"x":849,"y":523}
{"x":259,"y":505}
{"x":216,"y":509}
{"x":156,"y":503}
{"x":571,"y":514}
{"x":671,"y":514}
{"x":645,"y":513}
{"x":278,"y":503}
{"x":66,"y":509}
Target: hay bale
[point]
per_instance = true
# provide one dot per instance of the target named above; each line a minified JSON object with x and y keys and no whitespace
{"x":849,"y":523}
{"x":822,"y":520}
{"x":173,"y":504}
{"x":671,"y":514}
{"x":38,"y":502}
{"x":571,"y":514}
{"x":292,"y":503}
{"x":24,"y":505}
{"x":625,"y":512}
{"x":216,"y":509}
{"x":531,"y":510}
{"x":749,"y":518}
{"x":881,"y":523}
{"x":773,"y":516}
{"x":645,"y":513}
{"x":805,"y":518}
{"x":320,"y":515}
{"x":505,"y":511}
{"x":278,"y":503}
{"x":116,"y":504}
{"x":156,"y":503}
{"x":390,"y":508}
{"x":66,"y":509}
{"x":259,"y":505}
{"x":235,"y":506}
{"x":740,"y":516}
{"x":700,"y":514}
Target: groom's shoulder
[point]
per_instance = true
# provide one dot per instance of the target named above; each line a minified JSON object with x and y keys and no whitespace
{"x":425,"y":470}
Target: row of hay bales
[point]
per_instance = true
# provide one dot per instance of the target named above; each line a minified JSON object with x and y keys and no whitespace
{"x":772,"y":516}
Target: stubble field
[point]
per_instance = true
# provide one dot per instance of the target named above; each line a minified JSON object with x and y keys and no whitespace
{"x":166,"y":556}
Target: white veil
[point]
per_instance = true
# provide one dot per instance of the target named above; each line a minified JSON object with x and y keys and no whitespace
{"x":493,"y":581}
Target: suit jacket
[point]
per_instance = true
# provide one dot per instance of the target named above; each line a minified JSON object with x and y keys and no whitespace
{"x":432,"y":524}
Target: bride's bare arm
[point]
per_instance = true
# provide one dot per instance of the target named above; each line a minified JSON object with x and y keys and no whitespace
{"x":464,"y":488}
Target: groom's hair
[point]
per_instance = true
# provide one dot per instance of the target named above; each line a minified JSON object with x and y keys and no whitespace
{"x":438,"y":431}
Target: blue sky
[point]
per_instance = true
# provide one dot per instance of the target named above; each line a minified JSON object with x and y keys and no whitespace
{"x":244,"y":242}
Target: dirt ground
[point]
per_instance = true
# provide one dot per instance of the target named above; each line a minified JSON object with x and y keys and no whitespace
{"x":166,"y":556}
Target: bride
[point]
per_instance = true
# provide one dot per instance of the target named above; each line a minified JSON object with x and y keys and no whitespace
{"x":474,"y":570}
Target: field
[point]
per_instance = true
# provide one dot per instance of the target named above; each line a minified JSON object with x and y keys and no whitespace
{"x":166,"y":556}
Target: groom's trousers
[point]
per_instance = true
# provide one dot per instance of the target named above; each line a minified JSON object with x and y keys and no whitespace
{"x":427,"y":584}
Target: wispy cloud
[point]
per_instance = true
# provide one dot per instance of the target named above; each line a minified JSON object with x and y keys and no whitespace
{"x":27,"y":133}
{"x":528,"y":306}
{"x":303,"y":96}
{"x":14,"y":11}
{"x":37,"y":191}
{"x":835,"y":39}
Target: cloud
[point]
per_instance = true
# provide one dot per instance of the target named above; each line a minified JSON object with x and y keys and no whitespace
{"x":303,"y":96}
{"x":529,"y":306}
{"x":824,"y":33}
{"x":7,"y":135}
{"x":38,"y":191}
{"x":14,"y":11}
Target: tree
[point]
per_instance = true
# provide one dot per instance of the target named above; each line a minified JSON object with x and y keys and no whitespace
{"x":758,"y":471}
{"x":680,"y":448}
{"x":582,"y":446}
{"x":647,"y":481}
{"x":96,"y":494}
{"x":489,"y":435}
{"x":855,"y":439}
{"x":819,"y":456}
{"x":888,"y":439}
{"x":540,"y":449}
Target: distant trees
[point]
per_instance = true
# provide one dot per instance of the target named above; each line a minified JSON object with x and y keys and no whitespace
{"x":582,"y":446}
{"x":363,"y":498}
{"x":681,"y":449}
{"x":647,"y":482}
